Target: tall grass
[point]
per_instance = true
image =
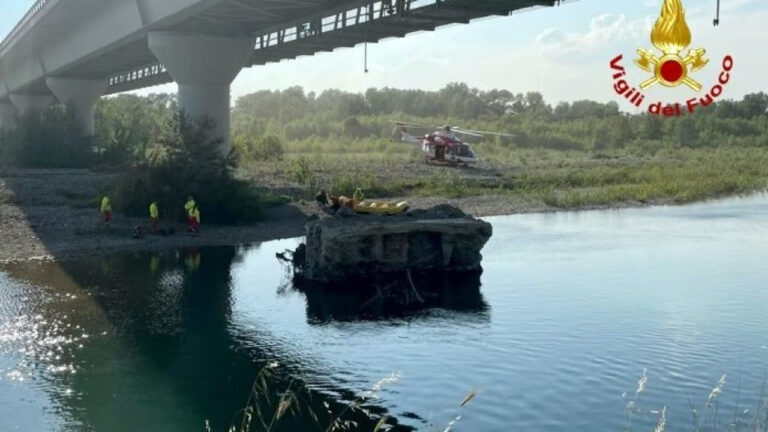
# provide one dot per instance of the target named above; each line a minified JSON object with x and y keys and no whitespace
{"x":560,"y":179}
{"x":268,"y":408}
{"x":705,"y":416}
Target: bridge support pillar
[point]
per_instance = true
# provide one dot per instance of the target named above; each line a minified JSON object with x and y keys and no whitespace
{"x":203,"y":67}
{"x":7,"y":116}
{"x":80,"y":94}
{"x":25,"y":103}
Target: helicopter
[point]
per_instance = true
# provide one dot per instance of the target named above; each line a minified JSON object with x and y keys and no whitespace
{"x":445,"y":144}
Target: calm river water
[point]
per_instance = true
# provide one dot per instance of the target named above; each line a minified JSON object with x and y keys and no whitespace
{"x":571,"y":309}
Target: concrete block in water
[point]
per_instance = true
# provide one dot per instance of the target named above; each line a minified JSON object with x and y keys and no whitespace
{"x":433,"y":240}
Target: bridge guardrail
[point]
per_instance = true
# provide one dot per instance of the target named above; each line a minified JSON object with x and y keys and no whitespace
{"x":22,"y":24}
{"x":367,"y":12}
{"x":362,"y":14}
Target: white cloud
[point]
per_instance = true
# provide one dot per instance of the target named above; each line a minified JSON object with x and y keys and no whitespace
{"x":605,"y":30}
{"x":551,"y":36}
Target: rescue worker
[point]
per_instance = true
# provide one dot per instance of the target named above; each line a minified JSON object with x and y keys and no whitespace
{"x":154,"y":216}
{"x":322,"y":198}
{"x":359,"y":196}
{"x":190,"y":204}
{"x":194,"y":220}
{"x":106,"y":209}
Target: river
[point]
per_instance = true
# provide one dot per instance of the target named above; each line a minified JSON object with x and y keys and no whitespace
{"x":570,"y":313}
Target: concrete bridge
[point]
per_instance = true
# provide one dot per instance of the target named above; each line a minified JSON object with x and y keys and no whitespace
{"x":75,"y":51}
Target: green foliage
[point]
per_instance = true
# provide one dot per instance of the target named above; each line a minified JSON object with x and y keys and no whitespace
{"x":346,"y":184}
{"x":575,"y":154}
{"x":299,"y":171}
{"x":448,"y":184}
{"x":185,"y":161}
{"x":687,"y":134}
{"x":127,"y":125}
{"x":338,"y":122}
{"x":49,"y":138}
{"x":251,"y":149}
{"x":539,"y":177}
{"x":269,"y":124}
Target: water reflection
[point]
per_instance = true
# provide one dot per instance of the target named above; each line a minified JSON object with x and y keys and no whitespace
{"x":156,"y":341}
{"x":151,"y":336}
{"x":580,"y":305}
{"x":401,"y":298}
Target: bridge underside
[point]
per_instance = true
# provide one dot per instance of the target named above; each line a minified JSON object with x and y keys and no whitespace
{"x":200,"y":44}
{"x":307,"y":27}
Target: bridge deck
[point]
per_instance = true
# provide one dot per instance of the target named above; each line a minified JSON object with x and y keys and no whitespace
{"x":355,"y":23}
{"x":283,"y":29}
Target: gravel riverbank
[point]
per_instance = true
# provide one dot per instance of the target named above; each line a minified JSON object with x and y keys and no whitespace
{"x":53,"y":214}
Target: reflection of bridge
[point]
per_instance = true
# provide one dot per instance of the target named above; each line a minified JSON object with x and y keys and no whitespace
{"x":78,"y":50}
{"x":166,"y":341}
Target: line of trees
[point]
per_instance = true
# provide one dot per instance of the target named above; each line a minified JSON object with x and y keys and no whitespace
{"x":295,"y":115}
{"x":52,"y":138}
{"x":129,"y":127}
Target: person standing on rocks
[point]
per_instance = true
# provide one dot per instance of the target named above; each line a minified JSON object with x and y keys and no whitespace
{"x":106,"y":209}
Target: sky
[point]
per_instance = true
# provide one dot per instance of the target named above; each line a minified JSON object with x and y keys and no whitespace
{"x":562,"y":52}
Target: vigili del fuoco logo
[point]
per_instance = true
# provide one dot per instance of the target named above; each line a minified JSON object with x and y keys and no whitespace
{"x":670,"y":65}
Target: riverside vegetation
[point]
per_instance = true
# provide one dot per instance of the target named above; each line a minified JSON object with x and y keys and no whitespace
{"x":572,"y":155}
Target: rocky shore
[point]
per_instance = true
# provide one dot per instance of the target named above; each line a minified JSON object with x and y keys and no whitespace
{"x":53,"y":214}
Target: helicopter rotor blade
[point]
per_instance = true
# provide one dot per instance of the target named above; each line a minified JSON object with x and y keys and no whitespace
{"x":470,"y":133}
{"x":399,"y":123}
{"x":484,"y":133}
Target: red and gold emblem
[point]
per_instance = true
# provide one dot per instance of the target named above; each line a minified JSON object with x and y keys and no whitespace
{"x":671,"y":35}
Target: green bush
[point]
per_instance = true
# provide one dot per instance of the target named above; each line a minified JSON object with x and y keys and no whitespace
{"x":127,"y":124}
{"x":52,"y":138}
{"x":300,"y":172}
{"x":185,"y":161}
{"x":249,"y":149}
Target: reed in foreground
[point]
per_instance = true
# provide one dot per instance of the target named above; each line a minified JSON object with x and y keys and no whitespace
{"x":271,"y":409}
{"x":705,"y":416}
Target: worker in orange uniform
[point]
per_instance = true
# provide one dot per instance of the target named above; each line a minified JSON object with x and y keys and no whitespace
{"x":106,"y":209}
{"x":154,"y":216}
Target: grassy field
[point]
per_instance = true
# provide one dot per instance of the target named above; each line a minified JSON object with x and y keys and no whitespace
{"x":558,"y":179}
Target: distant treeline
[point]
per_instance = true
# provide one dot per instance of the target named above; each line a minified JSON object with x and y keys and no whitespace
{"x":295,"y":115}
{"x":267,"y":123}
